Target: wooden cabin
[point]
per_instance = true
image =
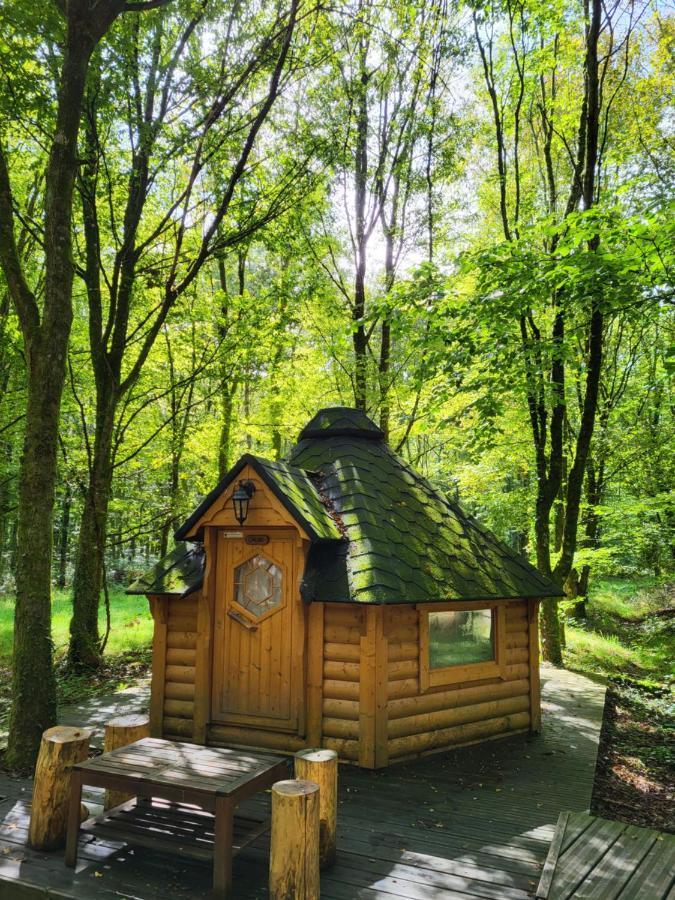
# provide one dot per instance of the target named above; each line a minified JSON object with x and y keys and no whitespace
{"x":337,"y":599}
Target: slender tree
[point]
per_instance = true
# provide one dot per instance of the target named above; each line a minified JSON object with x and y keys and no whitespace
{"x":155,"y":250}
{"x":386,"y":82}
{"x":46,"y":330}
{"x":531,"y":98}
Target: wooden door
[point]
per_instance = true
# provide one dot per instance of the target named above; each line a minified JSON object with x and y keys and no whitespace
{"x":258,"y":633}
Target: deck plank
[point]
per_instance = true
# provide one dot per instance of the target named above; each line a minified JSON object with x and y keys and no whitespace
{"x":654,"y":877}
{"x":471,"y":823}
{"x":606,"y":860}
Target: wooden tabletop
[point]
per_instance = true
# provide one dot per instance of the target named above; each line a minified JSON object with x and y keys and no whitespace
{"x":213,"y":771}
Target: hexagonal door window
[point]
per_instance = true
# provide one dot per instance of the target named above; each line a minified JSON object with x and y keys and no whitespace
{"x":257,"y":586}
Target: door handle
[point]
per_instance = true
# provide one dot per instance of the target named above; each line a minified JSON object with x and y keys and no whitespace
{"x":249,"y":626}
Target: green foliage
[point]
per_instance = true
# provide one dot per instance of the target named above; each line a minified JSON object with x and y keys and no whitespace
{"x":131,"y":624}
{"x":629,"y":631}
{"x":263,"y":336}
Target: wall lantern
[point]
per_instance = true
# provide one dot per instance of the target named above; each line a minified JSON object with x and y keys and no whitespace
{"x":241,"y":499}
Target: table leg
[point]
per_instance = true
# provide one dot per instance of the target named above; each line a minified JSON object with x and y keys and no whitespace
{"x":73,"y":825}
{"x":222,"y":848}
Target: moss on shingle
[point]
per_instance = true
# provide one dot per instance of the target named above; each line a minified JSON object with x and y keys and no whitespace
{"x":380,"y":532}
{"x":407,"y":543}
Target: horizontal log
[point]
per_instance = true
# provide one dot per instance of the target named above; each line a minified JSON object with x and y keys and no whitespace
{"x":513,"y":673}
{"x":177,"y":727}
{"x":182,"y":674}
{"x":517,"y":655}
{"x":497,"y":736}
{"x":344,"y":748}
{"x":516,"y":639}
{"x":456,"y":697}
{"x":516,"y":610}
{"x":341,"y":709}
{"x":340,"y":671}
{"x":226,"y":735}
{"x":342,"y":614}
{"x":177,"y":656}
{"x":341,"y":690}
{"x":406,"y":687}
{"x":447,"y":718}
{"x":516,"y":628}
{"x":342,"y":634}
{"x":182,"y":625}
{"x":342,"y":652}
{"x":403,"y":650}
{"x":179,"y":709}
{"x":457,"y":734}
{"x":400,"y":615}
{"x":184,"y":640}
{"x":340,"y":728}
{"x":185,"y":607}
{"x":177,"y":691}
{"x":402,"y":634}
{"x":405,"y":668}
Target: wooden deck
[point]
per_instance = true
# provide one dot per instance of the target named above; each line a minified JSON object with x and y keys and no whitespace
{"x":595,"y":859}
{"x":473,"y":823}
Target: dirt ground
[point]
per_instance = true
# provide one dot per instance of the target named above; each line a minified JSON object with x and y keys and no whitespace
{"x":635,"y":775}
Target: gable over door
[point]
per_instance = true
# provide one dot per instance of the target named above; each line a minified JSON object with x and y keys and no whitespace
{"x":258,"y":632}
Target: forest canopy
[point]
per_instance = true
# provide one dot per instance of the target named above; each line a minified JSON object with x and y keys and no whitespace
{"x":217,"y":218}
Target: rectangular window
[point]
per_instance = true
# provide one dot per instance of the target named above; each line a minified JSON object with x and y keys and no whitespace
{"x":460,"y":638}
{"x":460,"y":642}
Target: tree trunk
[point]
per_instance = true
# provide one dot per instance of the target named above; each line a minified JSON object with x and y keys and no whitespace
{"x":225,"y":439}
{"x":548,"y":617}
{"x":229,"y":383}
{"x":33,"y":684}
{"x":384,"y":378}
{"x":6,"y":519}
{"x":64,"y":535}
{"x":359,"y":335}
{"x":46,"y":338}
{"x":84,"y":651}
{"x":174,"y":489}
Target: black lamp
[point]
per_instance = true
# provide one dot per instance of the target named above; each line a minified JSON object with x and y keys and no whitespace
{"x":241,"y":499}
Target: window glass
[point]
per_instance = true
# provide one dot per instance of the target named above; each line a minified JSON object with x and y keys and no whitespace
{"x":257,"y":585}
{"x":461,"y":637}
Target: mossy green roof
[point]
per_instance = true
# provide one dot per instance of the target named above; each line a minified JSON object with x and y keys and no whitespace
{"x":181,"y":573}
{"x":406,"y":542}
{"x":381,"y":533}
{"x":291,"y":485}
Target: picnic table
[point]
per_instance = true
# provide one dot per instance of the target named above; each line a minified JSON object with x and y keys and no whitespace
{"x":186,"y":779}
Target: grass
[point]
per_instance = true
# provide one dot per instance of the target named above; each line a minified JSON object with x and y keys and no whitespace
{"x":626,"y":632}
{"x":131,"y":624}
{"x":127,"y":652}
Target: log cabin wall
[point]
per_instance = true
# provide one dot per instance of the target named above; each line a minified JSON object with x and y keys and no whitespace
{"x":421,"y":722}
{"x":173,"y":667}
{"x":372,"y":709}
{"x":342,"y":631}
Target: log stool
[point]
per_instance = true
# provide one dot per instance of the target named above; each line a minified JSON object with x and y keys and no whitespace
{"x":60,"y":748}
{"x":119,"y":732}
{"x":294,"y":844}
{"x":321,"y":766}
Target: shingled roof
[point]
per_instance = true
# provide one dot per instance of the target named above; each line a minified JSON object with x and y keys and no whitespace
{"x":289,"y":484}
{"x":180,"y":573}
{"x":381,"y":533}
{"x":406,"y":542}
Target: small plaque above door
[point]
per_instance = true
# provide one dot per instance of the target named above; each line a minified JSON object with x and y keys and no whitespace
{"x":257,"y":539}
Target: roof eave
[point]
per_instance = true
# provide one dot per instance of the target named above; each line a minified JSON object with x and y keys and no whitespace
{"x":248,"y":459}
{"x":397,"y":601}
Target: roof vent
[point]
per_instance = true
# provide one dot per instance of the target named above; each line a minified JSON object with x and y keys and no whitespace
{"x":339,"y":421}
